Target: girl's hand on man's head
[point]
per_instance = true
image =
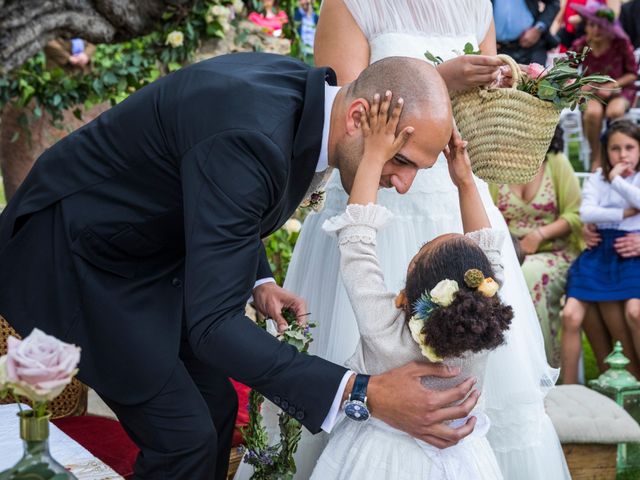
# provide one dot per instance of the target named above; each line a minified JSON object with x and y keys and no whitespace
{"x":379,"y":127}
{"x":458,"y":160}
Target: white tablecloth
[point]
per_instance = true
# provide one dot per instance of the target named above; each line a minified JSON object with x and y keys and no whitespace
{"x":62,"y":447}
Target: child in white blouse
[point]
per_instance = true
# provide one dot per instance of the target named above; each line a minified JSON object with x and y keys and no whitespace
{"x":449,"y":312}
{"x":611,"y":200}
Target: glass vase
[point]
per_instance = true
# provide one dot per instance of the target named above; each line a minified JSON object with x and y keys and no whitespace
{"x":36,"y":461}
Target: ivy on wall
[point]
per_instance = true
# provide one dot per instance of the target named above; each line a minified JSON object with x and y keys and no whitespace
{"x":119,"y":69}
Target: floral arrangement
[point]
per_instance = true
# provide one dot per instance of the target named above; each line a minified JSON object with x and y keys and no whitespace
{"x":563,"y":83}
{"x":272,"y":462}
{"x":315,"y":201}
{"x":441,"y":296}
{"x":119,"y":69}
{"x":37,"y":368}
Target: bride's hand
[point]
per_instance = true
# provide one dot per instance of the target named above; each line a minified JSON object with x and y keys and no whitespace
{"x":379,"y":127}
{"x":468,"y":71}
{"x":458,"y":160}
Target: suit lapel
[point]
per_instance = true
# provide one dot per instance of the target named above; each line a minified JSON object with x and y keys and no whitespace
{"x":306,"y":145}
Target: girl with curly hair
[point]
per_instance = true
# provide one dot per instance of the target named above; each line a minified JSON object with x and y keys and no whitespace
{"x":448,"y":312}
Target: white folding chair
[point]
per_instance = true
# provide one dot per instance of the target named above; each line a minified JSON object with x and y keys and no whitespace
{"x":571,"y":123}
{"x":582,"y":177}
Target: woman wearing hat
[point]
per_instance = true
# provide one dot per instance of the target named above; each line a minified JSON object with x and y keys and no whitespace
{"x":568,"y":23}
{"x":611,"y":54}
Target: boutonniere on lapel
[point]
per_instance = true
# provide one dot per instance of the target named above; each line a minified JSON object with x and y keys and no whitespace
{"x":315,"y":201}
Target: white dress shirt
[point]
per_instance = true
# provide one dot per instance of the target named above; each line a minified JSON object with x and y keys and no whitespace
{"x":603,"y":203}
{"x":330,"y":93}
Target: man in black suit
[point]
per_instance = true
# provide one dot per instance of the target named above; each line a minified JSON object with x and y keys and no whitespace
{"x":138,"y":237}
{"x":522,"y":28}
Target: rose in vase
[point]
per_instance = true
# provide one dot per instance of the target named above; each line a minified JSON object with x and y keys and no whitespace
{"x":38,"y":368}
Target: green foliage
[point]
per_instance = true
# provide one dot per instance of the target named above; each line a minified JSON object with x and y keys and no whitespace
{"x":436,"y":60}
{"x":271,"y":462}
{"x":117,"y":70}
{"x":563,"y":83}
{"x":433,"y":58}
{"x":469,"y":50}
{"x":279,"y":248}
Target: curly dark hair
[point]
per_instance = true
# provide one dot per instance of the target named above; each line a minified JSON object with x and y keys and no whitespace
{"x":472,"y":322}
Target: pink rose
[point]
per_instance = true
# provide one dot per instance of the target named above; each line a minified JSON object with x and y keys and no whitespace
{"x":40,"y":366}
{"x":535,"y":70}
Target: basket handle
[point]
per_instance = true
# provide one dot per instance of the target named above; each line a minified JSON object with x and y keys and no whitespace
{"x":516,"y":74}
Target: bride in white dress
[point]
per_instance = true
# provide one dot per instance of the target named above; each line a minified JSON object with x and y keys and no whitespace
{"x":351,"y":34}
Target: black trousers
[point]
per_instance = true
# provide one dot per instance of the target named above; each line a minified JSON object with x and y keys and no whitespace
{"x":185,"y":431}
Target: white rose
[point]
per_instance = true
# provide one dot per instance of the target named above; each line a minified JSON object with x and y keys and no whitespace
{"x":175,"y":39}
{"x":415,"y":327}
{"x":219,"y":11}
{"x":292,"y":226}
{"x":443,"y":293}
{"x":430,"y":353}
{"x":238,"y":5}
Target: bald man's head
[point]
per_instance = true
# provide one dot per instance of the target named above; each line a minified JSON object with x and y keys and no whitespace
{"x":427,"y":108}
{"x":414,"y":80}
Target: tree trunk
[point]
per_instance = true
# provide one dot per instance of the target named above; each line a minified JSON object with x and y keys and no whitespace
{"x":27,"y":25}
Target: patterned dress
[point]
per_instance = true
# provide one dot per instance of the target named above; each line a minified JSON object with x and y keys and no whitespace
{"x":546,"y":270}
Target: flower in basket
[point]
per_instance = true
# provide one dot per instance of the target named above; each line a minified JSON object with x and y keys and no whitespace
{"x":563,"y":83}
{"x":508,"y":130}
{"x":38,"y":368}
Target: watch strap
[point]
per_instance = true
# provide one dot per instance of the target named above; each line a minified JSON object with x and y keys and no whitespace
{"x":359,"y":390}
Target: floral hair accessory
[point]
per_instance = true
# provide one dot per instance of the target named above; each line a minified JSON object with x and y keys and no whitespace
{"x":489,"y":287}
{"x":440,"y":296}
{"x":443,"y":293}
{"x":474,"y":278}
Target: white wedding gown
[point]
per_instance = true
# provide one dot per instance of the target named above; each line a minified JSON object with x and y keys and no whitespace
{"x":518,"y":376}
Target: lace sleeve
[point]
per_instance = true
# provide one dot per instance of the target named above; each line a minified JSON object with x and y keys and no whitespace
{"x":490,"y":241}
{"x":358,"y":223}
{"x":373,"y":304}
{"x":423,"y":17}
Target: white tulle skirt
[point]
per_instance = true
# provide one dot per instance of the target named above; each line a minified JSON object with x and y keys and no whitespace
{"x":518,"y":376}
{"x":376,"y":451}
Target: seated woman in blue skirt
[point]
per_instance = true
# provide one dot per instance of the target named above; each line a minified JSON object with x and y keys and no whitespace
{"x":611,"y":200}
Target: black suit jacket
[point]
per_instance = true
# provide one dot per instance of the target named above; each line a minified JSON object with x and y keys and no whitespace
{"x":149,"y":219}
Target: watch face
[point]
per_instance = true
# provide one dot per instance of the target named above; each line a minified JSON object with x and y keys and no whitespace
{"x":356,"y":410}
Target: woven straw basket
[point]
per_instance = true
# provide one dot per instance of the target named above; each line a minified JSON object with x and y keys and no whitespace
{"x":508,"y":131}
